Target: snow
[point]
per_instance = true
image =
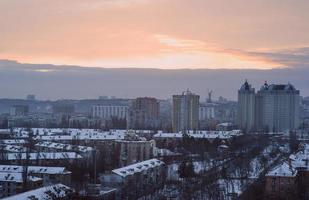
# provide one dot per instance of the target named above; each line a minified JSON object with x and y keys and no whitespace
{"x":34,"y":169}
{"x":138,"y":167}
{"x":61,"y":146}
{"x":9,"y":141}
{"x":283,"y":170}
{"x":13,"y":148}
{"x":16,"y":177}
{"x":43,"y":156}
{"x":201,"y":134}
{"x":49,"y":192}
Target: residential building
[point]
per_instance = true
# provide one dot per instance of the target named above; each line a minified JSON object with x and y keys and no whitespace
{"x":19,"y":110}
{"x":277,"y":107}
{"x":110,"y":111}
{"x":144,"y":113}
{"x":206,"y":112}
{"x":246,"y":107}
{"x":13,"y":183}
{"x":185,"y":112}
{"x":289,"y":178}
{"x":273,"y":108}
{"x":49,"y":175}
{"x":136,"y":180}
{"x":30,"y":97}
{"x":46,"y":158}
{"x":57,"y":191}
{"x":134,"y":151}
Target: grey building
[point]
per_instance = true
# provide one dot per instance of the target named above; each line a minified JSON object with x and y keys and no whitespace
{"x":274,"y":108}
{"x":246,"y":107}
{"x":185,"y":111}
{"x":277,"y":107}
{"x":137,"y":180}
{"x":144,"y":113}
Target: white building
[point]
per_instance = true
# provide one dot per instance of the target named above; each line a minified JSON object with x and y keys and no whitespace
{"x":12,"y":183}
{"x":136,"y":180}
{"x":277,"y":107}
{"x":58,"y":191}
{"x":49,"y":175}
{"x":206,"y":112}
{"x":246,"y":107}
{"x":108,"y":112}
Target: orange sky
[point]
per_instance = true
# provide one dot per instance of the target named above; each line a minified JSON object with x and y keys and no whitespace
{"x":154,"y":33}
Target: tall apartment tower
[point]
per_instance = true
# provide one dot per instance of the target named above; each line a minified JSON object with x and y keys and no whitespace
{"x":277,"y":107}
{"x":144,"y":113}
{"x":185,"y":111}
{"x":246,"y":107}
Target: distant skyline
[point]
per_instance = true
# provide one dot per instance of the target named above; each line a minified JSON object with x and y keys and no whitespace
{"x":167,"y":34}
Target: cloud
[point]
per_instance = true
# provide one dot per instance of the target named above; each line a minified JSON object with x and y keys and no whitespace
{"x":291,"y":57}
{"x":142,"y":32}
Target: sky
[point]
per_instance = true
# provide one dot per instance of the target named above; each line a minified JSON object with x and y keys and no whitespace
{"x":167,"y":34}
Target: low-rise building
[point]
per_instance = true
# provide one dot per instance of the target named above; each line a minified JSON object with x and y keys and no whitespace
{"x":57,"y":191}
{"x":136,"y":180}
{"x":48,"y":146}
{"x":46,"y":158}
{"x":134,"y":151}
{"x":13,"y":183}
{"x":290,"y":178}
{"x":49,"y":175}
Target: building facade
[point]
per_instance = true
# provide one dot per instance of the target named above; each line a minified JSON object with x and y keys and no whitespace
{"x":185,"y":112}
{"x":108,"y":112}
{"x":136,"y":180}
{"x":144,"y":113}
{"x":246,"y":107}
{"x":274,"y":108}
{"x":277,"y":108}
{"x":206,"y":112}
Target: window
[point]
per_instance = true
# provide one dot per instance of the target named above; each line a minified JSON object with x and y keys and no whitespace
{"x":273,"y":184}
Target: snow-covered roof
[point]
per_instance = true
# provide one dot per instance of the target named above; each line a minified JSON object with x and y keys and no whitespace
{"x":283,"y":170}
{"x":225,"y":124}
{"x":200,"y":134}
{"x":16,"y":177}
{"x":83,"y":136}
{"x":43,"y":156}
{"x":13,"y":148}
{"x":137,"y":167}
{"x":34,"y":169}
{"x":43,"y":193}
{"x":11,"y":141}
{"x":61,"y":146}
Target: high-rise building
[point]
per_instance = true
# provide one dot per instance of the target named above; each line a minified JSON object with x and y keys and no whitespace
{"x":274,"y":107}
{"x":144,"y":113}
{"x":246,"y":107}
{"x":277,"y":107}
{"x":31,"y":97}
{"x":185,"y":111}
{"x":19,"y":110}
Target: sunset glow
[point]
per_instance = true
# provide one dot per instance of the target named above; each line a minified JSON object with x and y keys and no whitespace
{"x":169,"y":34}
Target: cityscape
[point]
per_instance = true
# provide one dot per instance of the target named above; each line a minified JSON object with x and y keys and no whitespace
{"x":154,"y":100}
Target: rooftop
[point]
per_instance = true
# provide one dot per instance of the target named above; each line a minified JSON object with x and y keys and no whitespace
{"x":43,"y":193}
{"x":34,"y":169}
{"x":67,"y":147}
{"x":138,"y":167}
{"x":283,"y":170}
{"x":43,"y":156}
{"x":16,"y":177}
